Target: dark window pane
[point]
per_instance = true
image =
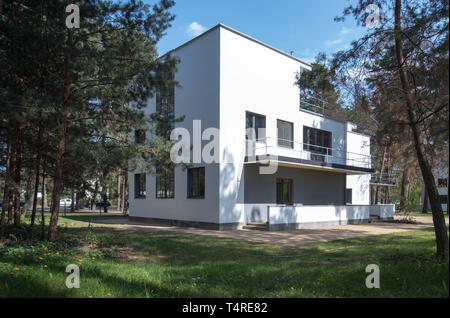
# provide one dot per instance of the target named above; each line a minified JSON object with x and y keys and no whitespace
{"x":258,"y":123}
{"x":165,"y":185}
{"x":284,"y":191}
{"x":285,"y":134}
{"x":196,"y":182}
{"x":139,"y":186}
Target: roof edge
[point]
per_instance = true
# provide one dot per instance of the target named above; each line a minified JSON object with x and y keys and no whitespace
{"x":220,"y":25}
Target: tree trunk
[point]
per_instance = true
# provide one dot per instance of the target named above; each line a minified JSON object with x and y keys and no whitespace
{"x":5,"y":195}
{"x":119,"y":201}
{"x":94,"y":196}
{"x":57,"y":180}
{"x":440,"y":228}
{"x":36,"y":187}
{"x":27,"y":194}
{"x":72,"y":205}
{"x":17,"y":174}
{"x":11,"y":185}
{"x":381,"y":173}
{"x":124,"y":192}
{"x":43,"y":206}
{"x":403,"y":191}
{"x":425,"y":201}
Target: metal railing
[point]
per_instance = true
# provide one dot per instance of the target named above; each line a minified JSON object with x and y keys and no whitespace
{"x":382,"y":178}
{"x":288,"y":148}
{"x":313,"y":104}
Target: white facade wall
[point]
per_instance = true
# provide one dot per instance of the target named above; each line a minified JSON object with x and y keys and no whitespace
{"x":306,"y":216}
{"x":197,"y":98}
{"x":360,"y":184}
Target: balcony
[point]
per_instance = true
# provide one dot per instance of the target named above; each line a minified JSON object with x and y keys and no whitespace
{"x":291,"y":153}
{"x":313,"y":104}
{"x":382,"y":179}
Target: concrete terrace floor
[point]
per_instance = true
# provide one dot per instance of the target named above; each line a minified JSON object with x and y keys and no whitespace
{"x":287,"y":238}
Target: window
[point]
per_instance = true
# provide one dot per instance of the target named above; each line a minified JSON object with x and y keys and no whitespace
{"x":317,"y":141}
{"x":348,"y":196}
{"x":442,"y":183}
{"x":139,"y":186}
{"x":258,"y":124}
{"x":443,"y":198}
{"x":165,"y":106}
{"x":139,"y":136}
{"x":285,"y":134}
{"x":284,"y":191}
{"x":165,"y":185}
{"x":196,"y":183}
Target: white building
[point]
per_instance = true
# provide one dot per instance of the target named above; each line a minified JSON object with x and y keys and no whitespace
{"x":231,"y":81}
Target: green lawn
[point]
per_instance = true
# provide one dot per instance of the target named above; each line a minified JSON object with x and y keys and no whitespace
{"x":132,"y":264}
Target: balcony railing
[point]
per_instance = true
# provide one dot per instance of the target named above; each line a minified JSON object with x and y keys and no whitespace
{"x":383,"y":178}
{"x":313,"y":104}
{"x":270,"y":146}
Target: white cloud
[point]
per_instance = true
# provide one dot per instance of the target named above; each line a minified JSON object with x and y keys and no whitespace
{"x":345,"y":31}
{"x":330,"y":43}
{"x":195,"y":29}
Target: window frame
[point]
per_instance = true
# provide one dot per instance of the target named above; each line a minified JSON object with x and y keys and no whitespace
{"x":258,"y":138}
{"x":316,"y":147}
{"x":200,"y":183}
{"x":291,"y":141}
{"x":165,"y":183}
{"x":284,"y":181}
{"x":140,"y":136}
{"x":140,"y":193}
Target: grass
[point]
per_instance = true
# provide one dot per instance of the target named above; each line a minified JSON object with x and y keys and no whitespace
{"x":136,"y":264}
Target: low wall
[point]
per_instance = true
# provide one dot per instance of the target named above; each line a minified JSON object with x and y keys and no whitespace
{"x":384,"y":211}
{"x":308,"y":216}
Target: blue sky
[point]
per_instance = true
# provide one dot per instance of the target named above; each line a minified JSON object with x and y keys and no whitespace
{"x":305,"y":27}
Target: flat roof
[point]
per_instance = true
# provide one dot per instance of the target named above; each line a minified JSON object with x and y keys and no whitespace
{"x":220,"y":25}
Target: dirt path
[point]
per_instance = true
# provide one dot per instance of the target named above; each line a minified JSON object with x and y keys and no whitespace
{"x":288,"y":238}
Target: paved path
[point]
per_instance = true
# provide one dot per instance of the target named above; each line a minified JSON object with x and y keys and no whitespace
{"x":288,"y":238}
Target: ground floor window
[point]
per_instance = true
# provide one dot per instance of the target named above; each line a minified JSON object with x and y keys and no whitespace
{"x":165,"y":185}
{"x":139,"y":186}
{"x":348,"y":196}
{"x":196,"y":183}
{"x":443,"y":198}
{"x":284,"y":191}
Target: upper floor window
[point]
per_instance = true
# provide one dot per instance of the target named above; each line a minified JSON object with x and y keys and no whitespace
{"x":196,"y":183}
{"x":442,"y":183}
{"x":139,"y":136}
{"x":165,"y":106}
{"x":165,"y":184}
{"x":255,"y":127}
{"x":317,"y":141}
{"x":139,"y":186}
{"x":285,"y":133}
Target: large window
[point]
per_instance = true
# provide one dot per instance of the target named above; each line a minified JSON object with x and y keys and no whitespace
{"x":284,"y":191}
{"x":285,"y":133}
{"x":258,"y":125}
{"x":165,"y":106}
{"x":442,"y":183}
{"x":196,"y":183}
{"x":443,"y":198}
{"x":165,"y":185}
{"x":139,"y":186}
{"x":139,"y":136}
{"x":317,"y":141}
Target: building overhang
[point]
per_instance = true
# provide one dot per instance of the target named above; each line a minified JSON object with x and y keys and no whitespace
{"x":309,"y":164}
